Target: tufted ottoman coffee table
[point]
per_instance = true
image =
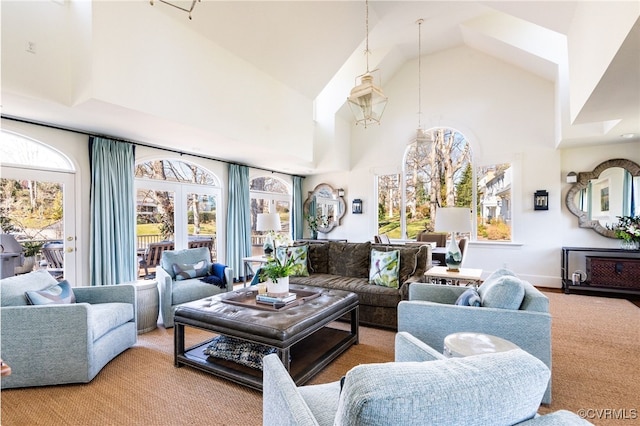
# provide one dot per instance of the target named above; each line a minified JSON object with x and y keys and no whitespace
{"x":301,"y":334}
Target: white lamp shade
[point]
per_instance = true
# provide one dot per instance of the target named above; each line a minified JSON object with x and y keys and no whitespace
{"x":453,"y":219}
{"x":268,"y":222}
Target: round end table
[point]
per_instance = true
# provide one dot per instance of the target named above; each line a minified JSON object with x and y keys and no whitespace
{"x":467,"y":344}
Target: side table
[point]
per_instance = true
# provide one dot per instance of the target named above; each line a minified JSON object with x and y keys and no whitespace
{"x":148,"y":307}
{"x":248,"y":269}
{"x":440,"y":275}
{"x":458,"y":345}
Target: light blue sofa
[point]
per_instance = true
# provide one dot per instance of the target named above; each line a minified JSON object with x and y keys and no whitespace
{"x":174,"y":292}
{"x":63,"y":343}
{"x":430,"y":315}
{"x":491,"y":389}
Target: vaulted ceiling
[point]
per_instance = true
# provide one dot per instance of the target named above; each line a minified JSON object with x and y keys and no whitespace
{"x":304,"y":45}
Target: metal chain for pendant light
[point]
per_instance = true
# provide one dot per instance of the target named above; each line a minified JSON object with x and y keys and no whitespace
{"x":420,"y":21}
{"x":367,"y":52}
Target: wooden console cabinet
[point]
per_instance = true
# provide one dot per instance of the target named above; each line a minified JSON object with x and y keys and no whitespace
{"x":606,"y":270}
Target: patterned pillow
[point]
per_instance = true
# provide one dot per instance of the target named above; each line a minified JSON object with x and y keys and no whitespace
{"x":384,"y":268}
{"x":299,"y":255}
{"x":240,"y":351}
{"x":187,"y":271}
{"x":318,"y":258}
{"x":349,"y":259}
{"x":59,"y":294}
{"x":469,"y":297}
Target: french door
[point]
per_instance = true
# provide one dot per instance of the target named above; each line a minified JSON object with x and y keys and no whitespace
{"x":177,"y":211}
{"x":62,"y":225}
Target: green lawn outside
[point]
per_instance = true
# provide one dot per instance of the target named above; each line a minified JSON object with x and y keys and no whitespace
{"x":154,"y":229}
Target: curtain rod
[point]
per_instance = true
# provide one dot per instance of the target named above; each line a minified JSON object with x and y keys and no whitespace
{"x":146,"y":145}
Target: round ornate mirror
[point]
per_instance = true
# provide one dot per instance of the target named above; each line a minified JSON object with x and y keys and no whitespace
{"x":325,"y":203}
{"x":600,"y":196}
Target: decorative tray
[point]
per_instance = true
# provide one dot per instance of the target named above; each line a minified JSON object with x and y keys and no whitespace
{"x":247,"y":298}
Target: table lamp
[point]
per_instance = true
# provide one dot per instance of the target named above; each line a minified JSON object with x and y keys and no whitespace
{"x":268,"y":222}
{"x":453,"y":219}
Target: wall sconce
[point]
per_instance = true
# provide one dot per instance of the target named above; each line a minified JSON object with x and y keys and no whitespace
{"x":541,"y":200}
{"x":356,"y":206}
{"x":572,"y":177}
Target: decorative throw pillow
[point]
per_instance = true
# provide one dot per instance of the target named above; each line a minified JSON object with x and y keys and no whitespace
{"x":299,"y":255}
{"x":187,"y":271}
{"x":349,"y":259}
{"x":318,"y":258}
{"x":505,"y":292}
{"x":497,"y":274}
{"x":469,"y":297}
{"x":59,"y":294}
{"x":217,"y":269}
{"x":213,"y":279}
{"x":384,"y":268}
{"x":240,"y":351}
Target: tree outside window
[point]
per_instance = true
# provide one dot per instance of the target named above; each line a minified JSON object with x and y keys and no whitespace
{"x":190,"y":193}
{"x":438,"y":172}
{"x":269,"y":195}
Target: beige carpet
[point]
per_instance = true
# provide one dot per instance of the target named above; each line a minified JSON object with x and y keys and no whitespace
{"x":595,"y":347}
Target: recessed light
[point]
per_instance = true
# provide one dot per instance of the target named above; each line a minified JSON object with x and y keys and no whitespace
{"x":628,"y":135}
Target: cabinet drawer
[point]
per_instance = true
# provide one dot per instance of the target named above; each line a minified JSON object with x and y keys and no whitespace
{"x":613,"y":272}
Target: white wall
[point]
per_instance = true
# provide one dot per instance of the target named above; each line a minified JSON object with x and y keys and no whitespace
{"x":133,"y":61}
{"x":508,"y":116}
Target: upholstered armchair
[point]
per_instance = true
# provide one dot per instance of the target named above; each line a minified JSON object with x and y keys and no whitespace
{"x":188,"y":286}
{"x":420,"y":388}
{"x":511,"y":308}
{"x":69,"y":342}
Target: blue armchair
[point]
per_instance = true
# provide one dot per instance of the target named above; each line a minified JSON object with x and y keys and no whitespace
{"x":502,"y":388}
{"x":431,"y":314}
{"x":174,"y":292}
{"x":63,"y":343}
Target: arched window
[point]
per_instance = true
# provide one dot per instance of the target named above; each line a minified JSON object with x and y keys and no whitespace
{"x":22,"y":151}
{"x":269,"y":195}
{"x":438,"y":171}
{"x":177,"y":202}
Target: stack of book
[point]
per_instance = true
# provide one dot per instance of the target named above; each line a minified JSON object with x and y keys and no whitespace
{"x":271,"y":300}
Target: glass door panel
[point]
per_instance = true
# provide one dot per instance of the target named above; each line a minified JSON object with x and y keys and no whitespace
{"x":36,"y":207}
{"x":155,"y":223}
{"x":201,"y":222}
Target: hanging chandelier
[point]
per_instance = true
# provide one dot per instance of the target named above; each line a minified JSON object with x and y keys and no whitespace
{"x":366,"y":100}
{"x":189,"y":10}
{"x":421,"y":136}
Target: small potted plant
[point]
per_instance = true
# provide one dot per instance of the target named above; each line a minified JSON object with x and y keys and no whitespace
{"x":628,"y":230}
{"x":276,"y":275}
{"x":29,"y":250}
